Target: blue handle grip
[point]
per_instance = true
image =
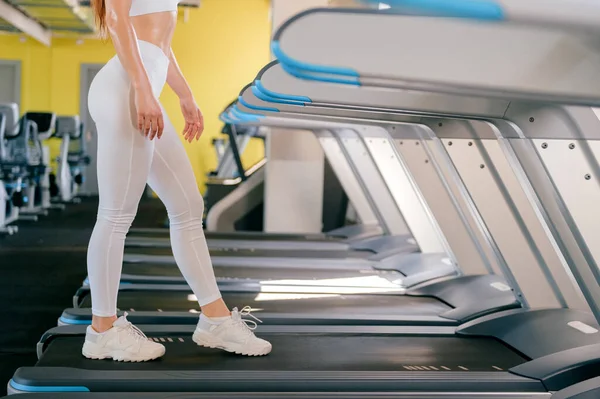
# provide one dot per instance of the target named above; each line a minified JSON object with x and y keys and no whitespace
{"x":311,"y":76}
{"x":267,"y":98}
{"x":254,"y":107}
{"x":225,"y":118}
{"x":263,"y":89}
{"x":244,"y":116}
{"x":323,"y":69}
{"x":472,"y":9}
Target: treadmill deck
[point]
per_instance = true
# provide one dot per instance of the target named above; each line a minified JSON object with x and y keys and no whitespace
{"x":304,"y":359}
{"x":357,"y":352}
{"x":272,"y":253}
{"x":324,"y":304}
{"x":257,"y":273}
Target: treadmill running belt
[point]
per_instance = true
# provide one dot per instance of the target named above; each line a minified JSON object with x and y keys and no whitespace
{"x":383,"y":305}
{"x":309,"y":352}
{"x":258,"y":273}
{"x":272,"y":253}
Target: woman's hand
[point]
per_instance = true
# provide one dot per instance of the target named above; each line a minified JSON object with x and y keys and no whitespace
{"x":194,"y":120}
{"x":147,"y":113}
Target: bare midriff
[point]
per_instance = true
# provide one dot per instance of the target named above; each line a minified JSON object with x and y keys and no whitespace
{"x":156,"y":28}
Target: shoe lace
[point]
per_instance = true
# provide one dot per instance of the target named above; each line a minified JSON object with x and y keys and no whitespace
{"x":133,"y":331}
{"x":249,"y":325}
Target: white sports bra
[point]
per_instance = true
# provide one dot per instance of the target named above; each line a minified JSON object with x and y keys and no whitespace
{"x":142,"y":7}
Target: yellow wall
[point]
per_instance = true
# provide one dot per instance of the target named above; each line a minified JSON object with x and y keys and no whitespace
{"x":220,"y":48}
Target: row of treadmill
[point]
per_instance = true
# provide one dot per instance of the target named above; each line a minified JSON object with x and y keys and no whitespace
{"x":466,"y":139}
{"x":29,"y":186}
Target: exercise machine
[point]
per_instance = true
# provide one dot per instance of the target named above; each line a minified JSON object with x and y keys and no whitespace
{"x":72,"y":158}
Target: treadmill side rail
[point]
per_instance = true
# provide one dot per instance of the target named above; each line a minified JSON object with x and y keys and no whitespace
{"x":589,"y":389}
{"x":385,"y":244}
{"x":356,"y":232}
{"x":276,"y":395}
{"x":563,"y":344}
{"x":417,"y":267}
{"x":273,"y":381}
{"x":471,"y":296}
{"x":563,"y":369}
{"x":537,"y":333}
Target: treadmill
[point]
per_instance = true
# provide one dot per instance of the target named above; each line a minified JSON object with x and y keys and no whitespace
{"x":398,"y":240}
{"x":549,"y":362}
{"x":361,"y":253}
{"x":339,"y":239}
{"x":408,"y":265}
{"x":373,"y":209}
{"x":479,"y":358}
{"x":450,"y":301}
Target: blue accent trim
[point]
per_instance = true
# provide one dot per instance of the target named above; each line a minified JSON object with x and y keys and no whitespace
{"x":254,"y":107}
{"x":223,"y":118}
{"x":302,"y":74}
{"x":263,"y":89}
{"x":472,"y":9}
{"x":227,"y":119}
{"x":236,"y":115}
{"x":73,"y":322}
{"x":285,"y":59}
{"x":267,"y":98}
{"x":31,"y":388}
{"x":244,"y":116}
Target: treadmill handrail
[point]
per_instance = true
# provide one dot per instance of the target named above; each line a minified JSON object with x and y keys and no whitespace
{"x":475,"y":68}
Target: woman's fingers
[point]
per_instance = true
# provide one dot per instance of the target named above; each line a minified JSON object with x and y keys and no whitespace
{"x":151,"y":125}
{"x":161,"y":125}
{"x":199,"y":130}
{"x":189,"y":130}
{"x":153,"y":128}
{"x":191,"y":134}
{"x":186,"y":131}
{"x":147,"y":125}
{"x":140,"y":123}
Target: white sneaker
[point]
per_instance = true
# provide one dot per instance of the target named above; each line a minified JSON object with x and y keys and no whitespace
{"x":124,"y":342}
{"x":232,"y":335}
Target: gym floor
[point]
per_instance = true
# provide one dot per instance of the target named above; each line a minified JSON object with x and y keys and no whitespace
{"x":42,"y":266}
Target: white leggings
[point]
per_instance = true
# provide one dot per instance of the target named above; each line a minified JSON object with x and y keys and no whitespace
{"x":126,"y":162}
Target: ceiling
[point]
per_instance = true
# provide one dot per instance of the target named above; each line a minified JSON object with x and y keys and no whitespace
{"x":43,"y":18}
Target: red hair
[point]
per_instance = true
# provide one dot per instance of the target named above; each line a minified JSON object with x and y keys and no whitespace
{"x":99,"y":7}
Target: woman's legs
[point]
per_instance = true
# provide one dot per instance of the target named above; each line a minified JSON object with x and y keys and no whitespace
{"x":124,"y":159}
{"x":172,"y":178}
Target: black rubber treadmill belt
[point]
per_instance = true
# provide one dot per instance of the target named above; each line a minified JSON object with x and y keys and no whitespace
{"x":273,"y":253}
{"x":251,"y":272}
{"x":376,"y":305}
{"x":309,"y":352}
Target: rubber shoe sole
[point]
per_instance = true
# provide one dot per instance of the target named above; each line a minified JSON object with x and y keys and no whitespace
{"x":120,"y":356}
{"x":237,"y":349}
